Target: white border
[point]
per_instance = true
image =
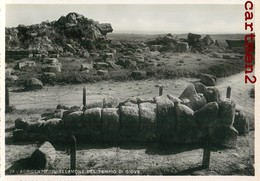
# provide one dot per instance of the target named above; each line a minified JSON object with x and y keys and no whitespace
{"x":124,"y":2}
{"x":119,"y":178}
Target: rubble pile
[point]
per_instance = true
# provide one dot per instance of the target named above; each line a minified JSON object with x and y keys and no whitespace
{"x":69,"y":34}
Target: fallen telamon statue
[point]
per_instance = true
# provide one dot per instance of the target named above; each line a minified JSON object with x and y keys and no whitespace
{"x":197,"y":113}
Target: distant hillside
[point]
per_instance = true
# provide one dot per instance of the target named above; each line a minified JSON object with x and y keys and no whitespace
{"x":145,"y":37}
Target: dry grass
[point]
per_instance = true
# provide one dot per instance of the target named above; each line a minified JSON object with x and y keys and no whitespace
{"x":170,"y":65}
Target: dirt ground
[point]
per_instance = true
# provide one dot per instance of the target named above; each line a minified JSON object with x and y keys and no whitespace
{"x":131,"y":159}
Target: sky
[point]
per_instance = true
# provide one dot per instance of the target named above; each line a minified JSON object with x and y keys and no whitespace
{"x":140,"y":18}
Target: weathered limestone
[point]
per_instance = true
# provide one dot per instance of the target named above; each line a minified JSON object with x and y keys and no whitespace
{"x":206,"y":117}
{"x":165,"y":118}
{"x":110,"y":102}
{"x":129,"y":123}
{"x":92,"y":124}
{"x":147,"y":121}
{"x":20,"y":123}
{"x":212,"y":95}
{"x":74,"y":120}
{"x":110,"y":124}
{"x":208,"y":80}
{"x":241,"y":122}
{"x":225,"y":136}
{"x":226,"y":112}
{"x":200,"y":88}
{"x":43,"y":157}
{"x":188,"y":92}
{"x":186,"y":126}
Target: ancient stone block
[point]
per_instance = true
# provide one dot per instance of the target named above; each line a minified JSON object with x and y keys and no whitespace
{"x":110,"y":124}
{"x":92,"y":124}
{"x":165,"y":118}
{"x":227,"y":110}
{"x":129,"y":122}
{"x":43,"y":157}
{"x":186,"y":126}
{"x":147,"y":121}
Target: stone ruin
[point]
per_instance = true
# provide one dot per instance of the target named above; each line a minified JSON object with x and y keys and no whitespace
{"x":197,"y":113}
{"x":192,"y":43}
{"x":70,"y":34}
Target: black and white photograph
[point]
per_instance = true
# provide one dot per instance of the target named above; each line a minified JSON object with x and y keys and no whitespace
{"x":130,"y":89}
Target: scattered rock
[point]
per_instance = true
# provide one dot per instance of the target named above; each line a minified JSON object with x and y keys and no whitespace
{"x":43,"y":157}
{"x":11,"y":78}
{"x":200,"y":88}
{"x":109,"y":56}
{"x":182,"y":47}
{"x":74,"y":109}
{"x":138,"y":74}
{"x":86,"y":66}
{"x":212,"y":95}
{"x":188,"y":92}
{"x":52,"y":68}
{"x":208,"y":40}
{"x":167,"y":40}
{"x":110,"y":102}
{"x":85,"y":54}
{"x":70,"y":48}
{"x":95,"y":104}
{"x":113,"y":65}
{"x":94,"y":55}
{"x":101,"y":65}
{"x":241,"y":122}
{"x":102,"y":72}
{"x":155,"y":47}
{"x":139,"y":58}
{"x":8,"y":71}
{"x":48,"y":77}
{"x":208,"y":80}
{"x":193,"y":39}
{"x":227,"y":110}
{"x":174,"y":99}
{"x":19,"y":135}
{"x":105,"y":28}
{"x":145,"y":100}
{"x":50,"y":61}
{"x":33,"y":84}
{"x":127,"y":63}
{"x":197,"y":101}
{"x":20,"y":123}
{"x":60,"y":106}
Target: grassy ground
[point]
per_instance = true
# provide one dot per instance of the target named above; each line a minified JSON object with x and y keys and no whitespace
{"x":153,"y":159}
{"x":170,"y":65}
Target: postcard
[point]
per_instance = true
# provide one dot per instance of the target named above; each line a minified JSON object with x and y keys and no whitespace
{"x":94,"y":90}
